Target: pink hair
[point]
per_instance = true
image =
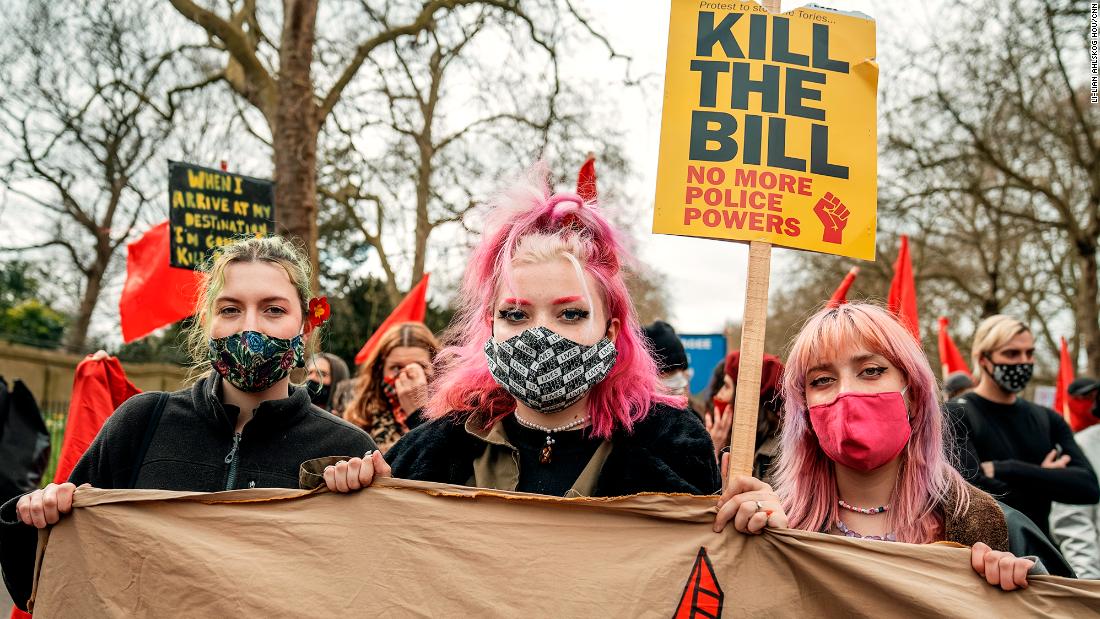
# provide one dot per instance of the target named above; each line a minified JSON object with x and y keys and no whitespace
{"x":463,"y":383}
{"x":805,"y":478}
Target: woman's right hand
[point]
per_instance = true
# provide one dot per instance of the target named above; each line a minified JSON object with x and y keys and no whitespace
{"x":749,"y":503}
{"x":719,"y":425}
{"x":44,"y":506}
{"x":348,"y":475}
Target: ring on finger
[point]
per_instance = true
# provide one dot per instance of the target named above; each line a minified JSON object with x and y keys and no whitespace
{"x":759,"y":506}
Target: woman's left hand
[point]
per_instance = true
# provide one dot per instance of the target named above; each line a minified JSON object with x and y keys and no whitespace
{"x":412,"y":387}
{"x":750,"y":503}
{"x":1000,"y":569}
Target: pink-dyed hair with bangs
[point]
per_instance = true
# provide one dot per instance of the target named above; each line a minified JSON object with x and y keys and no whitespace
{"x":805,"y":478}
{"x":463,"y":384}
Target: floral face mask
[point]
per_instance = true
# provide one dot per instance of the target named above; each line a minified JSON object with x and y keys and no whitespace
{"x":252,"y":361}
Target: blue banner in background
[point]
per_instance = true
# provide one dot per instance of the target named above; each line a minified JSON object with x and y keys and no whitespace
{"x":704,"y":351}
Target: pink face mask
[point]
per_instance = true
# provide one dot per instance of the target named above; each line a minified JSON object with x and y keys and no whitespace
{"x":862,"y":431}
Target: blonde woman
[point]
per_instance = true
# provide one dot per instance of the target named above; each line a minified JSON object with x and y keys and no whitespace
{"x":241,"y":425}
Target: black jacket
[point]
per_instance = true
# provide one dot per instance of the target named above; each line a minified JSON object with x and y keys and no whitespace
{"x":668,"y":451}
{"x":192,"y":448}
{"x":1015,"y":438}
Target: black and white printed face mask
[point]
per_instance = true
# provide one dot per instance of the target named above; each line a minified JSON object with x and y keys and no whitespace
{"x":547,"y":371}
{"x":1012,"y":377}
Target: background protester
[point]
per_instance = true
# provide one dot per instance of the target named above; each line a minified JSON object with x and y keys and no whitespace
{"x":668,"y":353}
{"x":720,"y":421}
{"x":863,"y":453}
{"x":714,"y":385}
{"x":1076,"y":528}
{"x":546,"y":385}
{"x":1014,"y":449}
{"x":673,"y":364}
{"x":392,"y":386}
{"x":325,"y":371}
{"x":24,"y":440}
{"x":1083,"y":400}
{"x":241,"y":425}
{"x":956,"y":384}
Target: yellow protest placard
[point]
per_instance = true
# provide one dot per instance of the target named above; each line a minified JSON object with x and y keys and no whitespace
{"x":768,"y":129}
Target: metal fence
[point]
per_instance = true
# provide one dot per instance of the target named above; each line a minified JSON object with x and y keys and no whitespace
{"x":55,"y":414}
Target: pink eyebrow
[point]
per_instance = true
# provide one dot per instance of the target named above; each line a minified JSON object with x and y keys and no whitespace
{"x":513,"y":301}
{"x":564,"y":300}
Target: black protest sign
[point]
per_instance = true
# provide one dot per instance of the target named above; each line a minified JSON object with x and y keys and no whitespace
{"x":209,"y":208}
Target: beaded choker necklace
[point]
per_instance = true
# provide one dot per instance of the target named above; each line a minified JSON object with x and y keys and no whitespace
{"x":548,"y":450}
{"x":863,"y":510}
{"x":889,"y":537}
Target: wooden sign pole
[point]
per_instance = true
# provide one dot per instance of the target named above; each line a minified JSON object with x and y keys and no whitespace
{"x":747,"y":394}
{"x":754,"y":322}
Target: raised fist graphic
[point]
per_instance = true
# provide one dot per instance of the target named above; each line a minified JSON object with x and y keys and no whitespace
{"x":834,"y":217}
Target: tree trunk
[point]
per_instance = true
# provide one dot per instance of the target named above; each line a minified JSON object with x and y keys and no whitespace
{"x":1088,"y":304}
{"x":294,"y":134}
{"x":77,"y":335}
{"x":423,"y":189}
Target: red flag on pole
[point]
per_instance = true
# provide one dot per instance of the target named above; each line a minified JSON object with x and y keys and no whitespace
{"x":586,"y":179}
{"x":412,"y":308}
{"x":155,"y":294}
{"x":841,"y":294}
{"x":902,"y":300}
{"x":1061,"y":385}
{"x":951,"y":360}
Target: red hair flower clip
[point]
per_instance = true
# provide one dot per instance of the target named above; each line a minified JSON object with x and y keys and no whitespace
{"x":319,"y":311}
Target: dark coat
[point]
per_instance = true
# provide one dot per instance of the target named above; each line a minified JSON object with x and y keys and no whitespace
{"x":191,"y":449}
{"x":668,"y":451}
{"x":1001,"y":528}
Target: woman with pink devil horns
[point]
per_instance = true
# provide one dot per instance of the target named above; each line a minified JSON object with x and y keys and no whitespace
{"x":545,"y":384}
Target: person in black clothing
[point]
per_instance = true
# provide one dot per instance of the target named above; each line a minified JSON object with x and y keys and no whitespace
{"x":547,"y":386}
{"x":1016,"y":450}
{"x":242,"y":425}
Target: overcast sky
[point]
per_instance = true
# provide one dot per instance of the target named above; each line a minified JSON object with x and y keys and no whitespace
{"x":706,"y":278}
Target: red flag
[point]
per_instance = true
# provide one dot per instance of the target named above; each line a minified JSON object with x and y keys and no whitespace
{"x":586,"y":179}
{"x":1061,"y":385}
{"x":99,"y":387}
{"x":841,"y":294}
{"x":902,"y":300}
{"x":412,"y":308}
{"x":951,"y":360}
{"x":155,"y":294}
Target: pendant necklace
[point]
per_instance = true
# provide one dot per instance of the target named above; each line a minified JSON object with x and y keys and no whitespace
{"x":548,"y":449}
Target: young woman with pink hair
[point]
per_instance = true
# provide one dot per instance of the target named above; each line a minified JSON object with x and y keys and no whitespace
{"x":545,"y":384}
{"x":864,"y":453}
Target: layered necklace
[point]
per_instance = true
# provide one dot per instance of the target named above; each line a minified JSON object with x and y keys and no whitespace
{"x":548,"y":450}
{"x":870,"y":511}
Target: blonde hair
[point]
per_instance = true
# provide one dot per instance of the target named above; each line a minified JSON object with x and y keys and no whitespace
{"x":273,"y":249}
{"x":992,"y":334}
{"x":543,"y":248}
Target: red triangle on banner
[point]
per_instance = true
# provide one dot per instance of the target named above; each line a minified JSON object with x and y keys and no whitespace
{"x":703,"y":595}
{"x":412,"y":308}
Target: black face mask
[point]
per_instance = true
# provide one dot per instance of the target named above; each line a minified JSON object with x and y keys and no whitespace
{"x":318,"y":393}
{"x":1012,"y":377}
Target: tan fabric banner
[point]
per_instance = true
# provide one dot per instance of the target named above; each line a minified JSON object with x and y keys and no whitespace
{"x":413,"y":549}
